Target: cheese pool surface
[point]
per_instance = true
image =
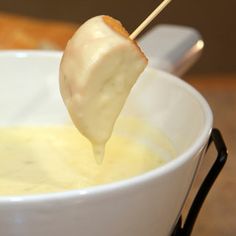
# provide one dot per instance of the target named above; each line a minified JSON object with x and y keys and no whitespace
{"x":51,"y":159}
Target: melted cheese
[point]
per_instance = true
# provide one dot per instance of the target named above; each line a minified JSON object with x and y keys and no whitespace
{"x":98,"y":69}
{"x":51,"y":159}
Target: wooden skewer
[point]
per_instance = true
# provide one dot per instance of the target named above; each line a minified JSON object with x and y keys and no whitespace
{"x":149,"y":19}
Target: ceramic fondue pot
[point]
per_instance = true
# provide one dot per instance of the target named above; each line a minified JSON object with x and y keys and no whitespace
{"x":149,"y":204}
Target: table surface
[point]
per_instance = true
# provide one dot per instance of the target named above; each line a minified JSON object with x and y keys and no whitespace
{"x":218,"y":216}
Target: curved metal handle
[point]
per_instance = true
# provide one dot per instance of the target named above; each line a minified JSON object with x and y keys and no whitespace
{"x":172,"y":48}
{"x":209,"y":180}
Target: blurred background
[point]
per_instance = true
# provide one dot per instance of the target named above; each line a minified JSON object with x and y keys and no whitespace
{"x":48,"y":24}
{"x":214,"y":19}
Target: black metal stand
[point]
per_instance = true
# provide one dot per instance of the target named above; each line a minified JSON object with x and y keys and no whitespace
{"x":221,"y":158}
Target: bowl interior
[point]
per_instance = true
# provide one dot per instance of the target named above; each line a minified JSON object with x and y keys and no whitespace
{"x":30,"y":95}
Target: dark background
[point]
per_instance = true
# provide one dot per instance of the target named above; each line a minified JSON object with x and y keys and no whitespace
{"x":215,"y":20}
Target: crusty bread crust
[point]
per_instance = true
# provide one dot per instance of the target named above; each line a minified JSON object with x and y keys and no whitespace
{"x":119,"y":28}
{"x":116,"y":25}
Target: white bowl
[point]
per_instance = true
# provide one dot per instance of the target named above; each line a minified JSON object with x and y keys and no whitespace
{"x":148,"y":204}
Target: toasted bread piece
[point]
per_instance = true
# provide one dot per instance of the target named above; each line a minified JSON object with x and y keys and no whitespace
{"x":100,"y":65}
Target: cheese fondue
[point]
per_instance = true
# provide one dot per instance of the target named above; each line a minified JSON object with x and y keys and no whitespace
{"x":51,"y":159}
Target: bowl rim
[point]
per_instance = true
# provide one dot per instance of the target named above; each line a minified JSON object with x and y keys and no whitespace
{"x":93,"y":191}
